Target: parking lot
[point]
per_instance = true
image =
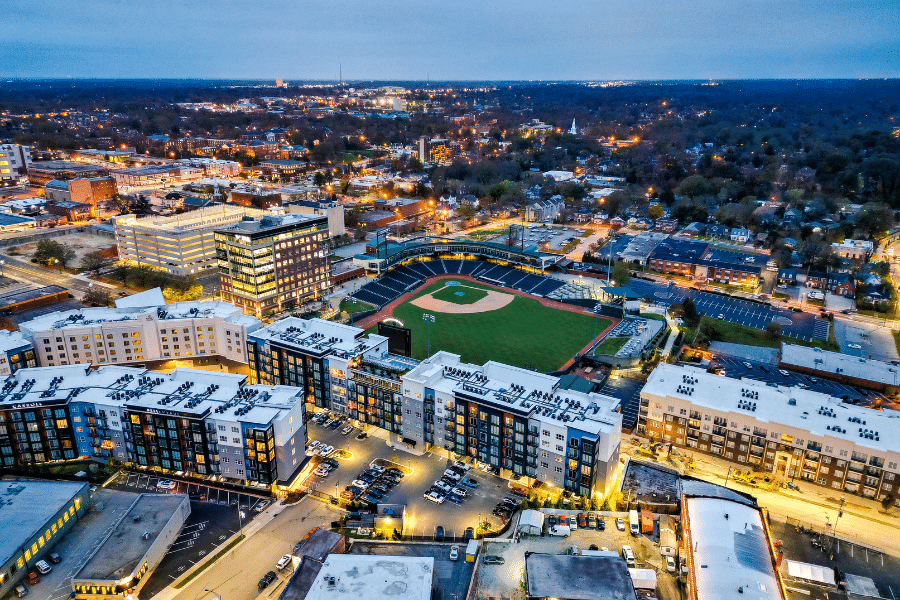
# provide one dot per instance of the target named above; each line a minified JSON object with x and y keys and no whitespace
{"x":629,"y":392}
{"x":733,"y":367}
{"x":451,"y":578}
{"x":800,"y":325}
{"x":502,"y":581}
{"x":215,"y":516}
{"x":554,"y":237}
{"x":423,"y":516}
{"x":849,"y":558}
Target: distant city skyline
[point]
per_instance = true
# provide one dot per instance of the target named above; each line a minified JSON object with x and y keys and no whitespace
{"x":460,"y":40}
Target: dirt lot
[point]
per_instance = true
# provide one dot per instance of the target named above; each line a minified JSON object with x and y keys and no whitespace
{"x":81,"y":243}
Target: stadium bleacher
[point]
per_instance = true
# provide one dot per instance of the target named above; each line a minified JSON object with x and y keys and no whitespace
{"x":405,"y":278}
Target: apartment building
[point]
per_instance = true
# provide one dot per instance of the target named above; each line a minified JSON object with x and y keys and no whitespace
{"x":517,"y":421}
{"x":313,"y":354}
{"x":332,"y":210}
{"x":273,"y":263}
{"x":181,"y":244}
{"x":84,"y":190}
{"x":16,"y":352}
{"x":213,"y":167}
{"x":434,"y":150}
{"x":13,"y":159}
{"x":40,"y":173}
{"x":787,"y":431}
{"x":197,"y":422}
{"x":183,"y":331}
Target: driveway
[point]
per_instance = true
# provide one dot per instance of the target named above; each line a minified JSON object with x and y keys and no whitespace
{"x":837,"y":303}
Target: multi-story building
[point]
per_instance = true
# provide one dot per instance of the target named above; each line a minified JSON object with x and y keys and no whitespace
{"x":184,"y":331}
{"x":854,"y":249}
{"x":517,"y":421}
{"x":213,"y":167}
{"x":16,"y":352}
{"x":150,"y":175}
{"x":332,"y":210}
{"x":197,"y":422}
{"x":13,"y":159}
{"x":181,"y":244}
{"x":41,"y":173}
{"x":788,"y":431}
{"x":273,"y":263}
{"x":434,"y":150}
{"x":312,"y":354}
{"x":87,"y":191}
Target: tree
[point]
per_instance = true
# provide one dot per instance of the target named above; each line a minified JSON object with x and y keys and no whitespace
{"x":656,"y":212}
{"x":51,"y":252}
{"x":621,"y":273}
{"x":96,"y":297}
{"x":887,"y":501}
{"x":94,"y":261}
{"x":467,"y":211}
{"x":874,"y":218}
{"x":689,"y":312}
{"x":774,"y":330}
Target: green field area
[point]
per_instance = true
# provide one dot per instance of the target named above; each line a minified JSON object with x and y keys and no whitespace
{"x":523,"y":333}
{"x":355,"y":307}
{"x":452,"y":294}
{"x":724,"y":331}
{"x":610,"y":346}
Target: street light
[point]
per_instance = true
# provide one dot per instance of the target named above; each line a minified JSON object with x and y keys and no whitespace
{"x":834,"y":529}
{"x":241,"y":516}
{"x":211,"y":591}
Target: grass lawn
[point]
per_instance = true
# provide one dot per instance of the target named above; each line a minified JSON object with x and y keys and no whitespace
{"x":748,"y":336}
{"x":654,"y":316}
{"x":451,"y":294}
{"x":355,"y":307}
{"x":523,"y":333}
{"x":610,"y":346}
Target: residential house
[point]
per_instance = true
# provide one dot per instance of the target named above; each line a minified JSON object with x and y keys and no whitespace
{"x":718,"y":231}
{"x":854,"y":249}
{"x":842,"y":284}
{"x":740,"y":234}
{"x":583,"y":216}
{"x":693,"y":229}
{"x":789,"y":243}
{"x":617,"y":222}
{"x":817,"y":280}
{"x":667,"y":225}
{"x":787,"y":276}
{"x":601,"y":217}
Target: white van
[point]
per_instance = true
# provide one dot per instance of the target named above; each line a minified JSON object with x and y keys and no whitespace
{"x":560,"y":530}
{"x":634,"y":522}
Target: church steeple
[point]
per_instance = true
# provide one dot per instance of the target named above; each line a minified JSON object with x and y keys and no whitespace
{"x":572,"y":129}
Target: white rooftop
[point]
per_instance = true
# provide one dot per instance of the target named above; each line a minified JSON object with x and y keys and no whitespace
{"x":807,"y":410}
{"x":139,"y":312}
{"x":731,"y":556}
{"x":202,"y":393}
{"x":374,"y":577}
{"x":10,"y":340}
{"x":518,"y":390}
{"x":841,"y":364}
{"x":152,"y":297}
{"x":319,"y":336}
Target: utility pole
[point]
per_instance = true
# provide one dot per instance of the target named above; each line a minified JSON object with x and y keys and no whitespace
{"x":834,"y":529}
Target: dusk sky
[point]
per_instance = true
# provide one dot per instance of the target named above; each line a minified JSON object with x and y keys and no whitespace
{"x":451,"y":40}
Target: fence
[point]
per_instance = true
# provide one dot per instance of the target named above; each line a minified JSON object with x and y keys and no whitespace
{"x":820,"y":530}
{"x":53,"y":233}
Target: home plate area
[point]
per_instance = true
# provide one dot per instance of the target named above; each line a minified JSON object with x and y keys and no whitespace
{"x":458,"y":298}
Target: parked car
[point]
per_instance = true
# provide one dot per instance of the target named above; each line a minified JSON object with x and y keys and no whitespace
{"x":670,"y":564}
{"x":377,"y":468}
{"x":21,"y":590}
{"x":551,"y":520}
{"x":55,"y":558}
{"x":395,"y":472}
{"x":469,"y":482}
{"x":460,"y":492}
{"x":375,"y":493}
{"x":43,"y":566}
{"x":335,"y":424}
{"x":267,"y":579}
{"x":455,"y":499}
{"x":360,"y":483}
{"x":591,"y":520}
{"x":582,"y":521}
{"x":283,"y":562}
{"x":461,"y":465}
{"x":454,"y":553}
{"x":33,"y":577}
{"x":620,"y":524}
{"x":439,"y":533}
{"x":165,"y":484}
{"x":433,"y":497}
{"x":322,"y":471}
{"x":520,"y":492}
{"x":346,"y":430}
{"x":601,"y":524}
{"x":494,"y":560}
{"x":469,"y":534}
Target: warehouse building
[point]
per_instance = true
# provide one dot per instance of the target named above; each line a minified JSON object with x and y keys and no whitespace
{"x":34,"y":516}
{"x":790,"y":432}
{"x":133,"y":548}
{"x":378,"y":577}
{"x":853,"y":370}
{"x":577,"y":577}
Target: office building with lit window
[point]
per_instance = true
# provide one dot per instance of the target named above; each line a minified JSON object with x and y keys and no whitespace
{"x":274,"y":263}
{"x":180,"y":244}
{"x":514,"y":420}
{"x":34,"y":516}
{"x":184,"y":331}
{"x":196,"y":422}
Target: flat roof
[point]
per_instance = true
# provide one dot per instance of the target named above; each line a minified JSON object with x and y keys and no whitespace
{"x":11,"y":340}
{"x":11,"y":219}
{"x":24,"y":295}
{"x":204,"y":218}
{"x":846,"y":365}
{"x":118,"y":555}
{"x":731,"y":557}
{"x":516,"y":390}
{"x":373,"y":578}
{"x":319,"y":337}
{"x":794,"y":407}
{"x":576,"y":577}
{"x":25,"y":508}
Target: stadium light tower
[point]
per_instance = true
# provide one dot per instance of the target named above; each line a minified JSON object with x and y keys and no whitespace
{"x":429,"y":319}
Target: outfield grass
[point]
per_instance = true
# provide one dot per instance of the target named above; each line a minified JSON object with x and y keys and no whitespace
{"x":355,"y":307}
{"x":610,"y":346}
{"x":523,"y":333}
{"x":449,"y":294}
